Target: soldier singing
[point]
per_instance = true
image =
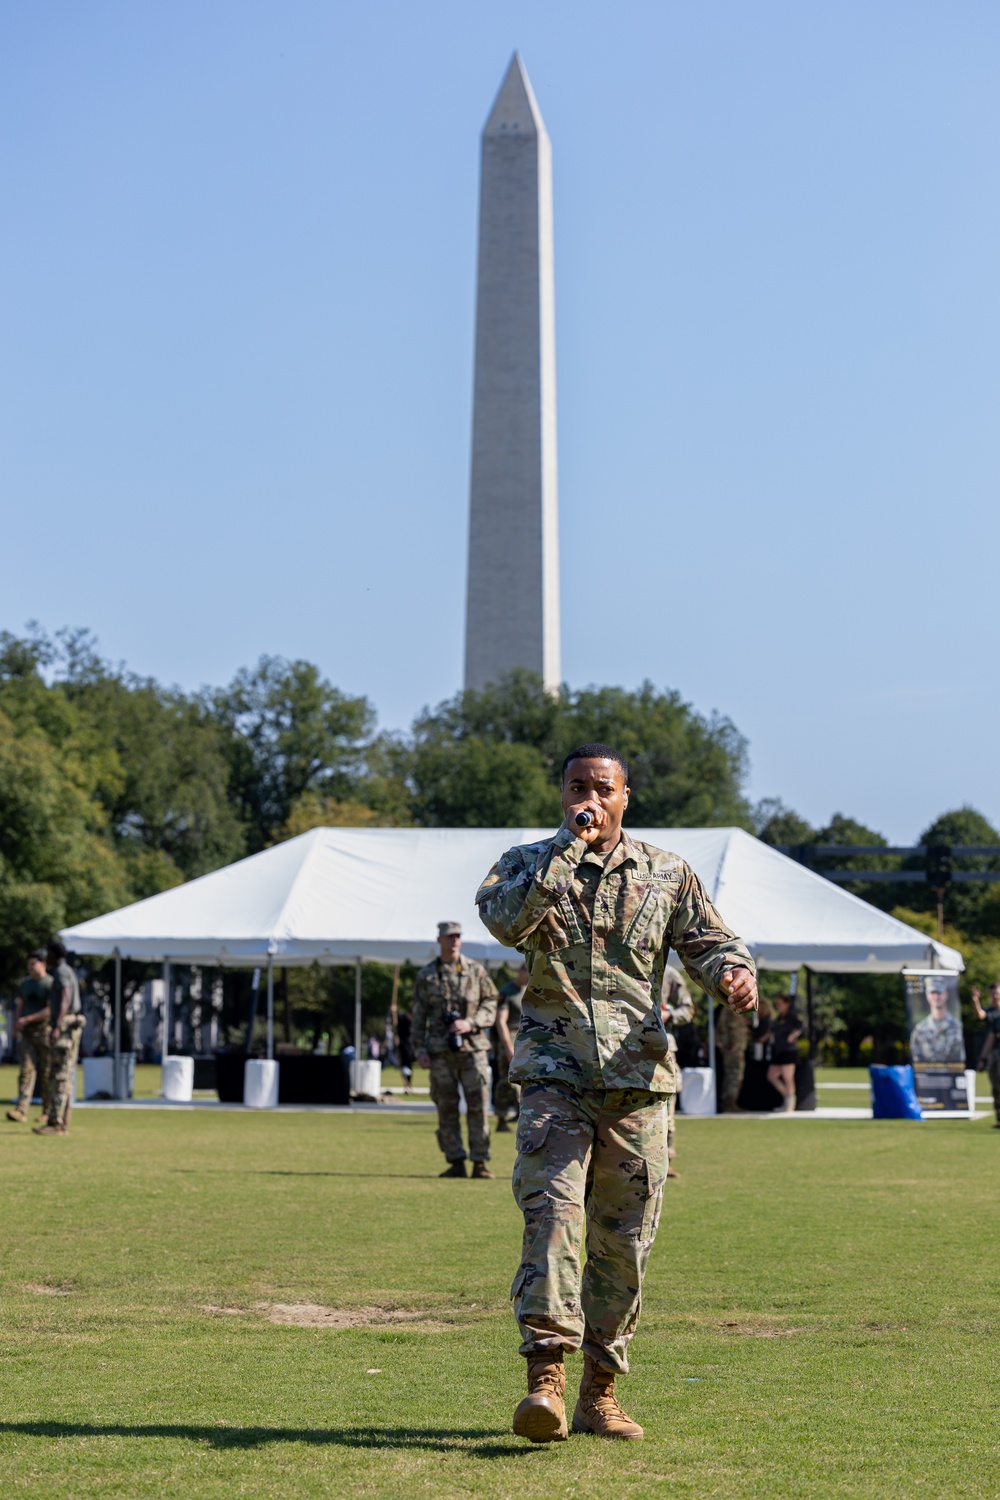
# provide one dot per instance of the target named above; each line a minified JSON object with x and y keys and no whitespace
{"x":595,"y":914}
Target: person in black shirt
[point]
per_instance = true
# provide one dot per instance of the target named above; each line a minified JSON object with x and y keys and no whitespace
{"x":989,"y":1058}
{"x":404,"y":1026}
{"x":786,"y":1028}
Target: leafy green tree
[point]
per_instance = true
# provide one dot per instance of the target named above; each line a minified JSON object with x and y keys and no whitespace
{"x":969,"y":905}
{"x":169,"y":808}
{"x":56,"y":864}
{"x":288,"y":732}
{"x":774,"y":823}
{"x":685,"y":769}
{"x":476,"y":783}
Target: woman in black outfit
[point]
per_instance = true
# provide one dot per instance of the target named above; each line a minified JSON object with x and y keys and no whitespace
{"x":786,"y":1028}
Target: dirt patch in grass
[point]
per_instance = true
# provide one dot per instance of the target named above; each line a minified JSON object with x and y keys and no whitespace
{"x":762,"y":1331}
{"x":313,"y":1315}
{"x":48,"y":1291}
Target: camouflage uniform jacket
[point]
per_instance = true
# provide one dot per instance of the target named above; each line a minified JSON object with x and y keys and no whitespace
{"x":595,"y":935}
{"x":465,"y":987}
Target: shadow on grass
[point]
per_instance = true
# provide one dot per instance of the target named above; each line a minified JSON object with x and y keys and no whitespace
{"x":475,"y":1442}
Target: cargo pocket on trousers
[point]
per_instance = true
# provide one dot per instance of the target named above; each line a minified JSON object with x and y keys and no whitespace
{"x":531,"y":1133}
{"x":651,"y":1208}
{"x":517,"y":1286}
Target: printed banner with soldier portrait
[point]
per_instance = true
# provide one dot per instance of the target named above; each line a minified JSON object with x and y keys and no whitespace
{"x":937,"y":1044}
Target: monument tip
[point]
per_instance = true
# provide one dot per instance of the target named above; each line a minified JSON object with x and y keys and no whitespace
{"x":515,"y":110}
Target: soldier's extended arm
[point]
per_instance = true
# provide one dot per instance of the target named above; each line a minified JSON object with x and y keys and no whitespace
{"x":513,"y":900}
{"x":503,"y":1031}
{"x":486,"y":1011}
{"x":703,"y":942}
{"x":65,"y":995}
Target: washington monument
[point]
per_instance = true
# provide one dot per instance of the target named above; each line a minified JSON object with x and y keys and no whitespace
{"x":512,"y":614}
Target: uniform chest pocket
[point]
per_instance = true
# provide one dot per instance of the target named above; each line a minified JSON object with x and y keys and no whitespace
{"x":651,"y":913}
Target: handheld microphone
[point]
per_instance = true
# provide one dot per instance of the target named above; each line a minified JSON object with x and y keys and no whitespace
{"x":584,"y":819}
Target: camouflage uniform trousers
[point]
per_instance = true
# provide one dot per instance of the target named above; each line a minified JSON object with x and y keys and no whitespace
{"x":33,"y":1051}
{"x":671,"y":1126}
{"x":594,"y":1160}
{"x":63,"y":1054}
{"x":734,"y":1061}
{"x":506,"y":1095}
{"x":472,"y":1071}
{"x":993,"y":1072}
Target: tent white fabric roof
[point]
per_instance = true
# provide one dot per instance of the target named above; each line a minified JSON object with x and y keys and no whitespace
{"x":336,"y":894}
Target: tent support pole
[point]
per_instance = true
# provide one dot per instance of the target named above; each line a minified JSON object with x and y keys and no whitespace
{"x":711,"y":1048}
{"x":165,"y":1049}
{"x":270,"y":1006}
{"x":357,"y":1016}
{"x":810,"y":1019}
{"x":118,"y":1026}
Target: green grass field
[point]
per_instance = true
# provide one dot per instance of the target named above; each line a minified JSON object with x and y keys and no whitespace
{"x":820,"y":1314}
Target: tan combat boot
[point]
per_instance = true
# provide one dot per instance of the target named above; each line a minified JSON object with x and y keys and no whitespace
{"x":597,"y":1411}
{"x":480,"y":1169}
{"x":541,"y":1416}
{"x":50,"y":1130}
{"x":17,"y":1114}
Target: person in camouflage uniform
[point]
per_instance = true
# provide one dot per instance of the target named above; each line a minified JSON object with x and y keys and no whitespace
{"x":32,"y":1021}
{"x":938,"y":1037}
{"x":454,"y":1007}
{"x":732,"y":1033}
{"x":64,"y":1041}
{"x":507,"y":1095}
{"x":676,"y":1009}
{"x":595,"y":913}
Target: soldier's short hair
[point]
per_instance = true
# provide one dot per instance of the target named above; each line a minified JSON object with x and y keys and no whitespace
{"x":39,"y":954}
{"x":57,"y":949}
{"x":597,"y":752}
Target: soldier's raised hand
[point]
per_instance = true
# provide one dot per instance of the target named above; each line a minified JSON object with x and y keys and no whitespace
{"x":595,"y":828}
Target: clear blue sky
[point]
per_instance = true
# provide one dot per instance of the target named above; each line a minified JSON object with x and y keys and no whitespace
{"x":237,"y":290}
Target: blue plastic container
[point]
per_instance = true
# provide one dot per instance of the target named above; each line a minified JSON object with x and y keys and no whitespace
{"x":893,"y":1094}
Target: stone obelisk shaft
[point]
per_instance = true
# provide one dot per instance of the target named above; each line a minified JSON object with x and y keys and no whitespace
{"x":512,"y":617}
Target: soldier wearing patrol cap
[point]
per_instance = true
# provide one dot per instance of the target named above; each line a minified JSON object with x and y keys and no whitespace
{"x":454,"y":1008}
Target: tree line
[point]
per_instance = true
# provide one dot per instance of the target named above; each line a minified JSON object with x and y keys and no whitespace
{"x":114,"y":786}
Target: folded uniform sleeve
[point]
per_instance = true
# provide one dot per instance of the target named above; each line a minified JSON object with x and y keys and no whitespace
{"x":701,"y":939}
{"x":518,"y":893}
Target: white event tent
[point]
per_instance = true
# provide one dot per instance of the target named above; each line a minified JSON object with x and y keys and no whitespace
{"x":344,"y":895}
{"x":335,"y":895}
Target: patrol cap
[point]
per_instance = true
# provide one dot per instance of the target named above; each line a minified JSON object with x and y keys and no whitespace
{"x":449,"y":929}
{"x":934,"y":985}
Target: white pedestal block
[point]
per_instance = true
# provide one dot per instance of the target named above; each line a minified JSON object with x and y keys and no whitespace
{"x":260,"y":1084}
{"x":178,"y":1079}
{"x":366,"y":1078}
{"x":99,"y":1076}
{"x":697,"y":1091}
